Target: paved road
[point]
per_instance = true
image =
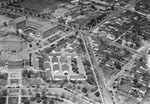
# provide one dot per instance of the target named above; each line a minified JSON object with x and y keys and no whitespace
{"x":129,"y":65}
{"x":105,"y":94}
{"x":114,"y":14}
{"x":92,"y":67}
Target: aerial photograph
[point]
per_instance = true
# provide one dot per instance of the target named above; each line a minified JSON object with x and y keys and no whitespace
{"x":74,"y":51}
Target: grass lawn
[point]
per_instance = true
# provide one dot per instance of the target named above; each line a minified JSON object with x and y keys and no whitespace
{"x":13,"y":100}
{"x":39,"y":5}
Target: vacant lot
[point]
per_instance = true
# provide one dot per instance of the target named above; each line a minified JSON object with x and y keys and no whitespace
{"x":39,"y":5}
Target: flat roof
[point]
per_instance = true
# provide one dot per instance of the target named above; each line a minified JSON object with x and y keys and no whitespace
{"x":20,"y":19}
{"x":60,"y":47}
{"x":59,"y":77}
{"x":80,"y":76}
{"x":54,"y":54}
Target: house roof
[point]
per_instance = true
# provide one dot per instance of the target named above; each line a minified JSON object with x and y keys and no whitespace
{"x":20,"y":19}
{"x":74,"y":45}
{"x":80,"y":76}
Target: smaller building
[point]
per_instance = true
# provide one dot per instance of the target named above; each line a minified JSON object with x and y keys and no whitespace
{"x":48,"y":30}
{"x":74,"y":45}
{"x":143,"y":90}
{"x":18,"y":23}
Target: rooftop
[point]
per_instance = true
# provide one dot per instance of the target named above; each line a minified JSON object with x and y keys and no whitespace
{"x":74,"y":45}
{"x":47,"y":27}
{"x":20,"y":19}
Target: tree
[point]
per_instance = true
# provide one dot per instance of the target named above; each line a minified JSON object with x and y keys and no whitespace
{"x":44,"y":102}
{"x":32,"y":99}
{"x":38,"y":100}
{"x":26,"y":101}
{"x":97,"y":94}
{"x":51,"y":102}
{"x":84,"y":90}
